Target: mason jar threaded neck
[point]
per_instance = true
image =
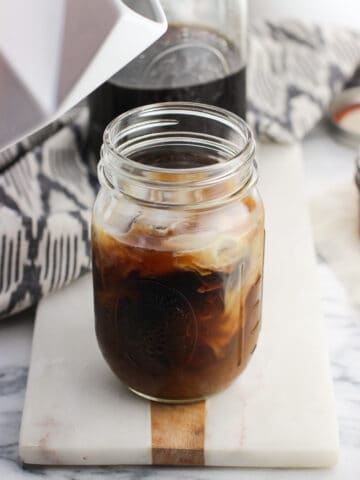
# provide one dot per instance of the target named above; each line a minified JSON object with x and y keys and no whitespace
{"x":177,"y":154}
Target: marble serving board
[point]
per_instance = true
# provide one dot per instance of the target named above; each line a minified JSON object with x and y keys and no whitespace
{"x":279,"y":413}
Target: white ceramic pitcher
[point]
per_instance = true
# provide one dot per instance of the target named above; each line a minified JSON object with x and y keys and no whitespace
{"x":53,"y":54}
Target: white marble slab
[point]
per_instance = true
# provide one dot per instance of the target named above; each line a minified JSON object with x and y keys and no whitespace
{"x":280,"y":413}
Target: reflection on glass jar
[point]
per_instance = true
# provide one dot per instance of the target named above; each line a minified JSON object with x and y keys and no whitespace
{"x":178,"y":239}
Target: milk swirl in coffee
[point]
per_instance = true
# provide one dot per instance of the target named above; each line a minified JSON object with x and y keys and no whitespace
{"x":177,"y":293}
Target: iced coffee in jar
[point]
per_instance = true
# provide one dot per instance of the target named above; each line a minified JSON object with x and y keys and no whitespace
{"x":178,"y":242}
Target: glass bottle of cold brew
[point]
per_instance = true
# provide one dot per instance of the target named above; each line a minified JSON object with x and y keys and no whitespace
{"x":201,"y":58}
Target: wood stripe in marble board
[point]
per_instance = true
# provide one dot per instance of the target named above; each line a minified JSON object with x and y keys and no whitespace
{"x":177,"y":433}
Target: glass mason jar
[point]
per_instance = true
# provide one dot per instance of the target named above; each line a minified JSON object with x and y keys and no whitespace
{"x":201,"y":58}
{"x":178,"y":239}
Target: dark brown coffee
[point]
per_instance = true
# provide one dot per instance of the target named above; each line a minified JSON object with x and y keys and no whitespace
{"x":186,"y":64}
{"x":168,"y":326}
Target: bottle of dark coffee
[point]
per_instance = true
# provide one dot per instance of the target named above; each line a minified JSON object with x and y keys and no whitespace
{"x":201,"y":58}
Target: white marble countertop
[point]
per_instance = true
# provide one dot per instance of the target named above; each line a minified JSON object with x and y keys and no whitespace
{"x":325,"y":163}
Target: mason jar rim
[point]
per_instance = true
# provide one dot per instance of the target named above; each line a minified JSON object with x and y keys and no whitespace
{"x":194,"y":108}
{"x":144,"y":128}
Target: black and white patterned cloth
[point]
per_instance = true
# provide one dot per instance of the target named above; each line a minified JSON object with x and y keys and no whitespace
{"x":46,"y":192}
{"x":48,"y":182}
{"x":294,"y":71}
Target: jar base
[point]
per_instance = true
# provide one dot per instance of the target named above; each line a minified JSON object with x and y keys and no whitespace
{"x":166,"y":400}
